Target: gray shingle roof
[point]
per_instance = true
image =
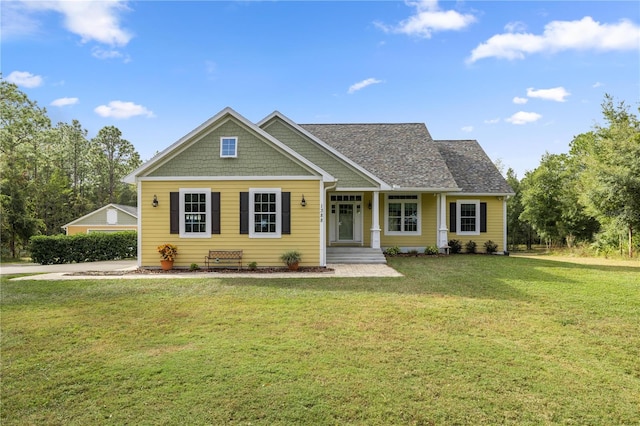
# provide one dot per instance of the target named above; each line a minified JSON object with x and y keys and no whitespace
{"x":472,"y":169}
{"x":132,"y":210}
{"x":399,"y":154}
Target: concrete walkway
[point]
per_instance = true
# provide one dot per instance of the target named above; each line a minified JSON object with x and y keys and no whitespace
{"x":74,"y":272}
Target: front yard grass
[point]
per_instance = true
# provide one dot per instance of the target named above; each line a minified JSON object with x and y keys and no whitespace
{"x":459,"y":340}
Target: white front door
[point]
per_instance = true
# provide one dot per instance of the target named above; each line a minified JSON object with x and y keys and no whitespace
{"x":345,"y":225}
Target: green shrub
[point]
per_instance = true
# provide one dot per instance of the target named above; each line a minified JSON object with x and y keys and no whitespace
{"x":470,"y":247}
{"x":392,"y":251}
{"x":253,"y":265}
{"x":194,"y":267}
{"x":93,"y":247}
{"x":432,"y":250}
{"x":490,"y":247}
{"x":455,"y":246}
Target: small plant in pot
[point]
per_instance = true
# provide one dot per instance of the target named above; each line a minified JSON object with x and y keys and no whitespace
{"x":168,"y":252}
{"x":292,"y":259}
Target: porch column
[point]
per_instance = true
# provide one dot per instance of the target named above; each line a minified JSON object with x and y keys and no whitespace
{"x":443,"y":242}
{"x":375,"y":221}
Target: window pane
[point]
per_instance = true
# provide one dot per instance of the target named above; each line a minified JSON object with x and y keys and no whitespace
{"x":195,"y":208}
{"x":265,"y":210}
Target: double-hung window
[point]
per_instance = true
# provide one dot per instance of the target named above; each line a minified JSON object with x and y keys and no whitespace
{"x":265,"y":213}
{"x":195,"y":213}
{"x":228,"y":147}
{"x":402,"y":214}
{"x":468,"y":217}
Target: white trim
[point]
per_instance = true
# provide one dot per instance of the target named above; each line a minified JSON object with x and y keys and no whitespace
{"x":458,"y":217}
{"x":504,"y":226}
{"x":278,"y":233}
{"x":482,"y":194}
{"x":235,"y":147}
{"x":139,"y":218}
{"x":418,"y":231}
{"x":207,"y":193}
{"x":197,"y":134}
{"x":360,"y":169}
{"x":222,"y":178}
{"x":323,"y":226}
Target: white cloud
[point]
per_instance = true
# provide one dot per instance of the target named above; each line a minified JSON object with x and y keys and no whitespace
{"x":16,"y":21}
{"x":362,"y":84}
{"x":428,"y":18}
{"x":597,"y":84}
{"x":467,"y":129}
{"x":91,"y":20}
{"x":523,"y":117}
{"x":61,"y":102}
{"x":557,"y":94}
{"x":518,"y":100}
{"x":100,"y":53}
{"x":25,"y":79}
{"x":120,"y":109}
{"x":515,"y":27}
{"x":585,"y":34}
{"x":492,"y":121}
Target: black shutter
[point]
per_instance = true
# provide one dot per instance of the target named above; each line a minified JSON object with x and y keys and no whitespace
{"x":244,"y":212}
{"x":286,"y":212}
{"x":483,"y":217}
{"x":215,"y":212}
{"x":174,"y":213}
{"x":452,"y":217}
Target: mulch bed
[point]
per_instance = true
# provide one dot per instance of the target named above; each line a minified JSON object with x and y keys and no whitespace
{"x":146,"y":271}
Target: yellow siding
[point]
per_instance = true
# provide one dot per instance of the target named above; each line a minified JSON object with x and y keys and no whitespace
{"x":84,"y":229}
{"x":495,"y":223}
{"x":305,"y":224}
{"x":428,"y":237}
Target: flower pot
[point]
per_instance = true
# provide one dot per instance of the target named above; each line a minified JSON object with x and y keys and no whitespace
{"x":293,"y":266}
{"x":166,"y":264}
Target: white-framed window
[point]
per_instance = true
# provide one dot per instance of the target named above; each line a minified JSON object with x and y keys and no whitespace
{"x":402,"y":214}
{"x":468,"y":217}
{"x":265,"y":213}
{"x":228,"y":147}
{"x":195,"y":213}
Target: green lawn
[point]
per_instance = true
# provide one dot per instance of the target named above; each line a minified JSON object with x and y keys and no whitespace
{"x":459,"y":340}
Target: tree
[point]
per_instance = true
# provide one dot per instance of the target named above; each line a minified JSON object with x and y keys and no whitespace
{"x":609,"y":160}
{"x":23,"y":131}
{"x":112,"y":158}
{"x":518,"y":231}
{"x":550,"y":202}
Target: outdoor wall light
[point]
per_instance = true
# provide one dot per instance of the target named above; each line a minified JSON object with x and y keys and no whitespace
{"x":154,"y":203}
{"x":303,"y":203}
{"x":369,"y":206}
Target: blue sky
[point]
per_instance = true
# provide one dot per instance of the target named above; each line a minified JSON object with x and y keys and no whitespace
{"x":522,"y":78}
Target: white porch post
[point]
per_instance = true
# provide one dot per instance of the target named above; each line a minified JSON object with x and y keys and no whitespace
{"x":375,"y":221}
{"x":443,"y":243}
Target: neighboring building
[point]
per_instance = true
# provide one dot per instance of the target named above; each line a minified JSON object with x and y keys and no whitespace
{"x":276,"y":185}
{"x":110,"y":218}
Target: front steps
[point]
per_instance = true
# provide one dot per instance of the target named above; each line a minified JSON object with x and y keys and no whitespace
{"x":355,"y":255}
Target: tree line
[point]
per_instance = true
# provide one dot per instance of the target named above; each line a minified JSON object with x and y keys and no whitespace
{"x":588,"y":196}
{"x":53,"y":174}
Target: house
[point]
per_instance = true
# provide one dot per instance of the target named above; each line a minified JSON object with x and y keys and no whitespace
{"x":109,"y":218}
{"x":326,"y":190}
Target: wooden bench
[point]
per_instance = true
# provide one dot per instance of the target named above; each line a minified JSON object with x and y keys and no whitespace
{"x":222,"y":258}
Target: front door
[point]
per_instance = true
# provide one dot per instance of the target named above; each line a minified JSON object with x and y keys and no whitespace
{"x":345,"y":224}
